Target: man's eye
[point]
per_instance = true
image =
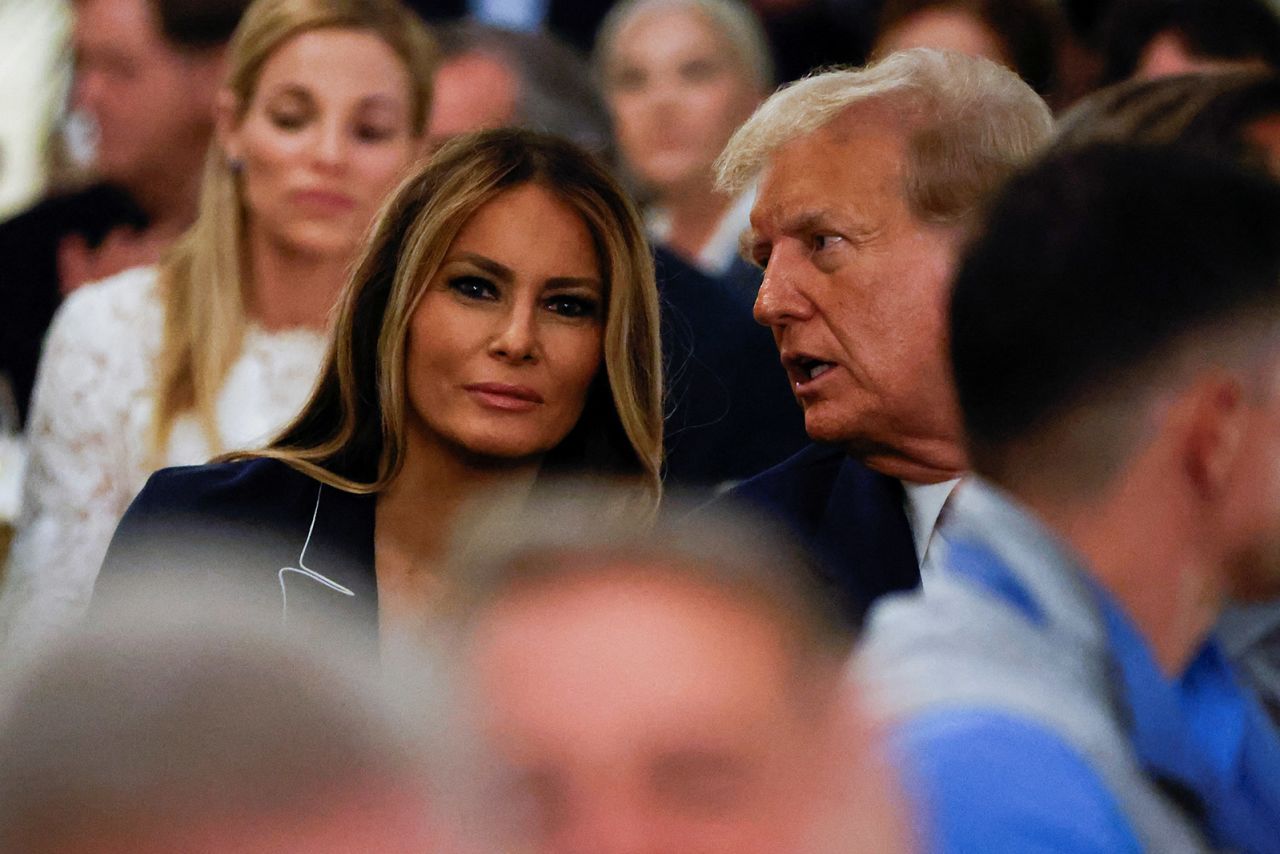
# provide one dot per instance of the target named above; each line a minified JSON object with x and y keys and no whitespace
{"x":473,"y":287}
{"x":568,"y":306}
{"x":825,"y":241}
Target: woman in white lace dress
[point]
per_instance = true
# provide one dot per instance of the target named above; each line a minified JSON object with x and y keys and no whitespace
{"x":217,"y":348}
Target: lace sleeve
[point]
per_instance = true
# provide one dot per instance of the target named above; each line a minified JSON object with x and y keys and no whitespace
{"x":78,"y":481}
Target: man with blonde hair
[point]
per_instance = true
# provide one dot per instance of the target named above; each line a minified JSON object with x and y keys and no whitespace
{"x":869,"y":181}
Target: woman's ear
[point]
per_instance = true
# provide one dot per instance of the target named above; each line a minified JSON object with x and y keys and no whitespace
{"x":227,"y":124}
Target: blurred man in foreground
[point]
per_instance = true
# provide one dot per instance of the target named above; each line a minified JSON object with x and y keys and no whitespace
{"x":181,"y":723}
{"x":1115,"y":335}
{"x":677,"y":690}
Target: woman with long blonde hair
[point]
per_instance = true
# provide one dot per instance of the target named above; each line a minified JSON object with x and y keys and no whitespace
{"x":323,"y":111}
{"x":500,"y":328}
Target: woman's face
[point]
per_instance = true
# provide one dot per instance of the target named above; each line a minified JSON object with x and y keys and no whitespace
{"x":507,"y":335}
{"x":677,"y":95}
{"x":324,"y":138}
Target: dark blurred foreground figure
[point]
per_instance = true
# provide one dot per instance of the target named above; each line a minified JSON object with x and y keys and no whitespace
{"x":1233,"y":115}
{"x":649,"y":690}
{"x":1155,"y":38}
{"x":147,"y":72}
{"x":1119,"y":378}
{"x":181,"y":723}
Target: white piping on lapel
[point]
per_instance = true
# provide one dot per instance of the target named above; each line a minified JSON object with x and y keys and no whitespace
{"x":302,"y":569}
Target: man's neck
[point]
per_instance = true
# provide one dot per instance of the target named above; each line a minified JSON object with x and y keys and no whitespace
{"x":1156,"y":568}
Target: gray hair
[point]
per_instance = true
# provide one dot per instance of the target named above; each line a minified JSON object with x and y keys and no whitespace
{"x":970,"y":122}
{"x":171,"y":710}
{"x":581,"y":529}
{"x":556,"y":93}
{"x":733,"y":20}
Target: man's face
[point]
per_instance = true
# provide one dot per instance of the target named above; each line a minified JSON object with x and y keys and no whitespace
{"x":152,"y":104}
{"x":855,"y":289}
{"x":647,"y":714}
{"x":472,"y":92}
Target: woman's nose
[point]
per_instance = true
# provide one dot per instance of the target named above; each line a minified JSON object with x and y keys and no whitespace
{"x":516,"y":338}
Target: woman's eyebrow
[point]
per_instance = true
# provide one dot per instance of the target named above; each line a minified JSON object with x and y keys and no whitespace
{"x":499,"y":271}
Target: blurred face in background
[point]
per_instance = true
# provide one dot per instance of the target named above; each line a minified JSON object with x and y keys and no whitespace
{"x":677,"y":93}
{"x":645,"y":712}
{"x":324,"y":138}
{"x":151,"y":102}
{"x":472,"y":91}
{"x":943,"y":29}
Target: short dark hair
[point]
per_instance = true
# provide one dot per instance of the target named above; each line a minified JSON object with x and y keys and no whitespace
{"x":198,"y":24}
{"x":1222,"y":29}
{"x":1093,"y":267}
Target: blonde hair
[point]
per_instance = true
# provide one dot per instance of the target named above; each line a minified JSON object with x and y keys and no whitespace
{"x":351,"y":434}
{"x":732,"y":20}
{"x":203,"y":283}
{"x":970,"y":121}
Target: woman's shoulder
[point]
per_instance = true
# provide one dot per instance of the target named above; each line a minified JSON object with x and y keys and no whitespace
{"x":241,"y":488}
{"x":122,"y":300}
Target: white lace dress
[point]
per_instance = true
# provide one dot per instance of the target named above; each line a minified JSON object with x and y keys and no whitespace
{"x":88,"y":433}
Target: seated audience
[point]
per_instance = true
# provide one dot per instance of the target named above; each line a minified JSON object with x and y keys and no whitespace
{"x":1114,"y":341}
{"x":872,"y":179}
{"x":323,"y":112}
{"x":675,"y":689}
{"x":501,"y":324}
{"x":146,"y":73}
{"x":180,"y":724}
{"x":1156,"y":38}
{"x":1022,"y":34}
{"x":728,"y":410}
{"x":679,"y":78}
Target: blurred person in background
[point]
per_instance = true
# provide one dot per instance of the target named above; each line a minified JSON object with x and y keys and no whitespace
{"x":680,"y":76}
{"x":727,"y":408}
{"x":1021,"y":34}
{"x":146,"y":74}
{"x":501,"y":326}
{"x":1232,"y":115}
{"x":659,"y":689}
{"x":491,"y":77}
{"x":323,"y":111}
{"x":1154,"y":38}
{"x":1115,"y":336}
{"x":181,"y":721}
{"x":870,"y":180}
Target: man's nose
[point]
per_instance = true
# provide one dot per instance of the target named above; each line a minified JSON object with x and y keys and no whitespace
{"x":779,"y":299}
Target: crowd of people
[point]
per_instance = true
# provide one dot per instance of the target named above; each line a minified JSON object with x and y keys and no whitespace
{"x":654,"y":426}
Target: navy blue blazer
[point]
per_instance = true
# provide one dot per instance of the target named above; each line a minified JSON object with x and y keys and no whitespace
{"x":258,"y":525}
{"x":851,"y":518}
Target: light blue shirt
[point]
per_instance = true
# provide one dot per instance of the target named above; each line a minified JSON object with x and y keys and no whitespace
{"x":511,"y":14}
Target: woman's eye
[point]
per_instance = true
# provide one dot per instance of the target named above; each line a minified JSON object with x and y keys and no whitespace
{"x":473,"y":287}
{"x":569,"y":306}
{"x":288,"y":121}
{"x":374,"y":133}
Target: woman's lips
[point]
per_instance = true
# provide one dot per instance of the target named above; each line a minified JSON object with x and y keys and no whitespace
{"x":509,"y":398}
{"x":324,"y":201}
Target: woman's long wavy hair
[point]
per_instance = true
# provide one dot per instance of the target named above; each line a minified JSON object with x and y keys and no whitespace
{"x":204,"y":280}
{"x":352,"y":432}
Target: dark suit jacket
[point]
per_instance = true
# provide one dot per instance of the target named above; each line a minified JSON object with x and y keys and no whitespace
{"x":729,"y":409}
{"x":259,"y":526}
{"x":851,"y":517}
{"x":29,"y":293}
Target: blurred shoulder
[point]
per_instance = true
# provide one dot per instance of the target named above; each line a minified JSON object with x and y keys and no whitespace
{"x":240,"y":487}
{"x":126,"y":304}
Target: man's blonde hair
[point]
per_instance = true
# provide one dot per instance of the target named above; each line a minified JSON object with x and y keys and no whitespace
{"x":969,"y":124}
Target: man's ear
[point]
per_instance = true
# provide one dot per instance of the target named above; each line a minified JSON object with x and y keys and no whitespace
{"x":1215,"y":421}
{"x":226,"y":123}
